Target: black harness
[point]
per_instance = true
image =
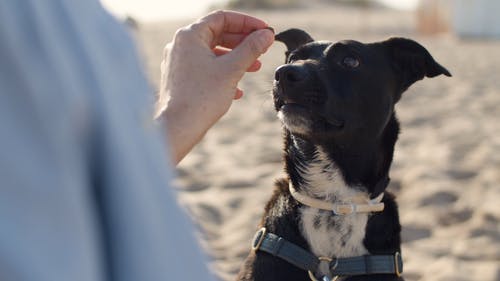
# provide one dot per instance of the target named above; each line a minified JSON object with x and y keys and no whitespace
{"x":362,"y":265}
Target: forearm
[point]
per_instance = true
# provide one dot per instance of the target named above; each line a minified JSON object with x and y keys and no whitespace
{"x":185,"y":127}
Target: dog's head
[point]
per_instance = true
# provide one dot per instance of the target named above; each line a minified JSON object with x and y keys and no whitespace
{"x":345,"y":90}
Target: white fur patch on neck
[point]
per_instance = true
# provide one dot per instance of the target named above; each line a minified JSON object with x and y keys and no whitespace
{"x":329,"y":235}
{"x":295,"y":124}
{"x":324,"y":180}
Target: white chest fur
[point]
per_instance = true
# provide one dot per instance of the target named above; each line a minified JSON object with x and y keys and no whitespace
{"x":333,"y":236}
{"x":329,"y":235}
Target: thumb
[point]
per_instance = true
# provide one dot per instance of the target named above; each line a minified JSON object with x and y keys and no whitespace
{"x":247,"y":52}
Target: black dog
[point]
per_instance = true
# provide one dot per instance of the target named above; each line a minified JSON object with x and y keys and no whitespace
{"x":332,"y":216}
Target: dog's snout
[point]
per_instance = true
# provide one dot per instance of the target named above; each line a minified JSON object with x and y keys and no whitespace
{"x":290,"y":73}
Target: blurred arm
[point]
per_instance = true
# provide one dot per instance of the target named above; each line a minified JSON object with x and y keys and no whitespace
{"x":84,"y":180}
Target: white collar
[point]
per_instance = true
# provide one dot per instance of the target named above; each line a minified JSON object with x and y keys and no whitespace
{"x":373,"y":205}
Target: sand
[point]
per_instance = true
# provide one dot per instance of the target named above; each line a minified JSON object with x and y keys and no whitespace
{"x":446,"y":169}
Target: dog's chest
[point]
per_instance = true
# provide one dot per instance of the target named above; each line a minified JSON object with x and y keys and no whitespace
{"x":330,"y":235}
{"x":333,"y":236}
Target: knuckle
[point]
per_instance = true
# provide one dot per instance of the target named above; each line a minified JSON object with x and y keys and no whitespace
{"x":183,"y":34}
{"x":196,"y":27}
{"x":190,"y":33}
{"x":217,"y":17}
{"x":218,"y":13}
{"x":167,"y":50}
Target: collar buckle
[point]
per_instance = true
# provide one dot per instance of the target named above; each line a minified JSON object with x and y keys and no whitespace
{"x":345,"y":209}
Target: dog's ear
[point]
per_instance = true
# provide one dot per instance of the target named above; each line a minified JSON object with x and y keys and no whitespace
{"x":411,"y":62}
{"x":293,"y":38}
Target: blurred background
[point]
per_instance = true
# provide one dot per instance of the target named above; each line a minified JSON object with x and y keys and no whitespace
{"x":465,"y":17}
{"x":446,"y":169}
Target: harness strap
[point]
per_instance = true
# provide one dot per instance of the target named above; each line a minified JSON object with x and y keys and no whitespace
{"x":362,"y":265}
{"x":279,"y":247}
{"x":369,"y":264}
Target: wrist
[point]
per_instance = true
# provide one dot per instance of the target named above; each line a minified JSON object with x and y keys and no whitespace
{"x":186,"y":124}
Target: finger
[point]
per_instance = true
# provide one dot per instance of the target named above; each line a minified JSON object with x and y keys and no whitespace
{"x":255,"y":66}
{"x":238,"y":95}
{"x":245,"y":54}
{"x":233,"y":22}
{"x":231,"y":40}
{"x":220,"y":51}
{"x":215,"y":24}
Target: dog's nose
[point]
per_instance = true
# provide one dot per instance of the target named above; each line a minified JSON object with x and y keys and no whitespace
{"x":290,"y":73}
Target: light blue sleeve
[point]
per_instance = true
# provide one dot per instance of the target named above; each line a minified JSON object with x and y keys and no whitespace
{"x":84,"y":176}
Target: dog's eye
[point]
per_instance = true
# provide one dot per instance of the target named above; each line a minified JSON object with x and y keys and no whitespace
{"x":350,"y":62}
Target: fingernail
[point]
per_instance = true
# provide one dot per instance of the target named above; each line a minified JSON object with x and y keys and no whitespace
{"x":268,"y":28}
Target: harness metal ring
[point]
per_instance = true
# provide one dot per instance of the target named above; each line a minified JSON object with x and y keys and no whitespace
{"x":397,"y":257}
{"x":259,"y":238}
{"x":326,"y":259}
{"x":335,"y":265}
{"x":313,"y":278}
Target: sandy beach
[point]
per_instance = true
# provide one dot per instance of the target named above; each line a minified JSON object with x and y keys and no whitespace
{"x":446,"y":169}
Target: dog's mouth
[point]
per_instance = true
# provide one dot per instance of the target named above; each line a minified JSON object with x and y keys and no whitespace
{"x":293,"y":112}
{"x":292,"y":105}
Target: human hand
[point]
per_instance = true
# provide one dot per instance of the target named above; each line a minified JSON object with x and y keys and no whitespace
{"x":201,"y":69}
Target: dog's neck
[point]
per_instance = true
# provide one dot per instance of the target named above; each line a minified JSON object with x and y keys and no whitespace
{"x":323,"y":169}
{"x":314,"y":173}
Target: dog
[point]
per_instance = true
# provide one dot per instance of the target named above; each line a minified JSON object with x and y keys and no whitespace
{"x":332,"y":218}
